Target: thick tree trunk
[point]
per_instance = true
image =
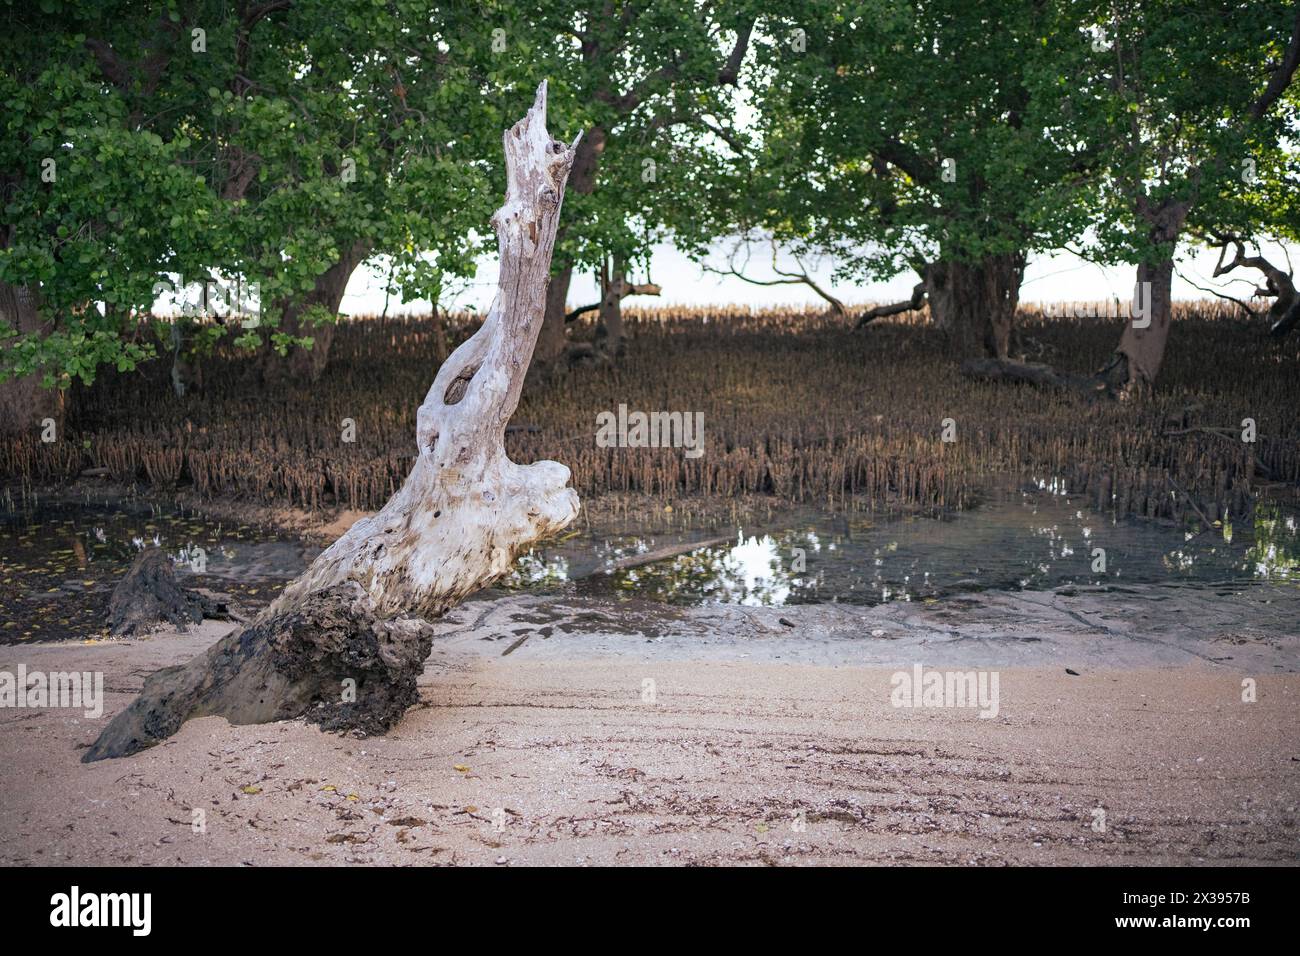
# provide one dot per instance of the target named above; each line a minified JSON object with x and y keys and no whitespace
{"x":308,"y":364}
{"x":335,"y":645}
{"x":24,"y":404}
{"x":1131,"y":371}
{"x":552,"y":343}
{"x":975,"y":302}
{"x":1133,"y":367}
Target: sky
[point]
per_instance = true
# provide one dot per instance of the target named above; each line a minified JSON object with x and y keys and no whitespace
{"x":1062,"y":277}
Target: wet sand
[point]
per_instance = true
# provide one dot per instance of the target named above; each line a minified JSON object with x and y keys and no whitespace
{"x":769,"y":738}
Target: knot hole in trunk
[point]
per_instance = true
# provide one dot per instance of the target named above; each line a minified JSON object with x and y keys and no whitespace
{"x":456,"y":390}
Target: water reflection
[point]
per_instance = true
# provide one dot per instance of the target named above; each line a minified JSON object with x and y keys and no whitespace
{"x":1038,"y":538}
{"x":752,"y":571}
{"x":59,"y":565}
{"x":1275,"y":553}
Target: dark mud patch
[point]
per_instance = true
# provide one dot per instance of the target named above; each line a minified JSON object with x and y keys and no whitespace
{"x":60,"y":564}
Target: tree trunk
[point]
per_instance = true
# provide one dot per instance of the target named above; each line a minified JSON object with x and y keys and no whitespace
{"x":609,"y":333}
{"x":551,"y":342}
{"x":308,"y":364}
{"x":24,"y":404}
{"x":1132,"y":369}
{"x":441,"y":348}
{"x":975,"y":301}
{"x":335,"y":645}
{"x":149,"y":595}
{"x":551,"y":345}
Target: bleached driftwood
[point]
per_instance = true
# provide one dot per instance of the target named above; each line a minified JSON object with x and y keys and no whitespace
{"x":337,"y":645}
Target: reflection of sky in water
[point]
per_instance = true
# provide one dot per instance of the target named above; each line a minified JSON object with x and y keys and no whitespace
{"x":751,"y":571}
{"x":756,"y":564}
{"x":1039,"y":539}
{"x":1015,"y":540}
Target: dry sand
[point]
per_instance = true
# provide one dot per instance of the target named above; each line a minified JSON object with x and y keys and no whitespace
{"x":766,"y":743}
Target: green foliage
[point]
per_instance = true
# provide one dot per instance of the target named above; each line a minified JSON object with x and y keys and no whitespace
{"x":283,"y":139}
{"x":890,"y":134}
{"x":263,"y":153}
{"x":1054,"y":116}
{"x":1167,"y":92}
{"x":644,"y":81}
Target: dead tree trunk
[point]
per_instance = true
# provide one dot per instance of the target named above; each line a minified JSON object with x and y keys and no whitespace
{"x":149,"y":595}
{"x":1279,"y":284}
{"x":335,"y":646}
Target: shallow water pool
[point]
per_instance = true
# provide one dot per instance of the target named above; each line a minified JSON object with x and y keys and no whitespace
{"x":1035,"y":537}
{"x":59,"y":563}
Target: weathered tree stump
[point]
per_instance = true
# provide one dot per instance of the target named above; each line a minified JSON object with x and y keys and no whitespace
{"x":344,"y":643}
{"x":149,"y":596}
{"x":331,"y":660}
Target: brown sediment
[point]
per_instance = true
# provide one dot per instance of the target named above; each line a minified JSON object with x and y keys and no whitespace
{"x":797,"y":408}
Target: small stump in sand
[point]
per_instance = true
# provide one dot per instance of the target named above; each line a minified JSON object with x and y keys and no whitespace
{"x":149,"y":597}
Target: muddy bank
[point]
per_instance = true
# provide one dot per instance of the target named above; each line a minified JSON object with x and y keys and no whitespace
{"x":1254,"y":630}
{"x":761,"y":743}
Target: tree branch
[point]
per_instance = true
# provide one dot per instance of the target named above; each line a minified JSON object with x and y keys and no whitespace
{"x":624,"y":290}
{"x":787,"y":278}
{"x":914,"y":304}
{"x":1282,"y":76}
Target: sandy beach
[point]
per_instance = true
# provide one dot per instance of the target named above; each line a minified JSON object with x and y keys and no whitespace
{"x":573,"y":730}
